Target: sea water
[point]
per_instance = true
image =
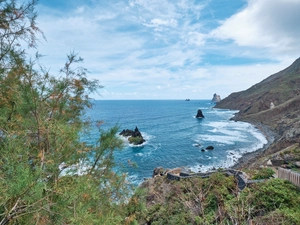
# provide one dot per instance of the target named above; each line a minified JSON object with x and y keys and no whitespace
{"x":174,"y":137}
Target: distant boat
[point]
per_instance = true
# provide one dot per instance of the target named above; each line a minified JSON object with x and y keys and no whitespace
{"x":187,"y":99}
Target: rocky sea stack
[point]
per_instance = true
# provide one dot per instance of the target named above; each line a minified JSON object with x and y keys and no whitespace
{"x":216,"y":98}
{"x":134,"y":136}
{"x":199,"y":114}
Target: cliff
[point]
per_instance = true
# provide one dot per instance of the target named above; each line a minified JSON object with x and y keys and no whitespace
{"x":274,"y":102}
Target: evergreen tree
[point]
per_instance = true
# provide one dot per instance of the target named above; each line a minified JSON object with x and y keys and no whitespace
{"x":47,"y":175}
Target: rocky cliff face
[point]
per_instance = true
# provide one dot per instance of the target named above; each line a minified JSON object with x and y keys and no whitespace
{"x":274,"y":102}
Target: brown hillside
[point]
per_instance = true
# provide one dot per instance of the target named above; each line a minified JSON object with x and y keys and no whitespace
{"x":278,"y":88}
{"x":283,"y":89}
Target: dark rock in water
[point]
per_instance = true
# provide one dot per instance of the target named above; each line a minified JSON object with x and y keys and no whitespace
{"x":126,"y":133}
{"x":209,"y":147}
{"x":135,"y":136}
{"x":202,"y":150}
{"x":199,"y":114}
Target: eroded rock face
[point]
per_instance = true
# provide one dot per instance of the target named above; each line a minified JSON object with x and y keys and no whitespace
{"x":216,"y":98}
{"x":199,"y":114}
{"x":134,"y":136}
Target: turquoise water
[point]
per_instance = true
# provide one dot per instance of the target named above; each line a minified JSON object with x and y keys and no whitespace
{"x":174,"y":137}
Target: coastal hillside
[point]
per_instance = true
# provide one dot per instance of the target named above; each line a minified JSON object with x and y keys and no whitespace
{"x":273,"y":103}
{"x":277,"y":88}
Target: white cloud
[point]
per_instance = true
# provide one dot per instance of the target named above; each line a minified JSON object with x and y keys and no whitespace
{"x":196,"y":38}
{"x":271,"y":24}
{"x":160,"y":49}
{"x":160,"y":22}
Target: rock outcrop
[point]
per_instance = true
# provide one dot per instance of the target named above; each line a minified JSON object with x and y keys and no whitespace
{"x":134,"y":136}
{"x":158,"y":171}
{"x":199,"y":114}
{"x":216,"y":98}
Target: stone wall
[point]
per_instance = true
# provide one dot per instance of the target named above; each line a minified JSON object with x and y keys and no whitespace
{"x":240,"y":176}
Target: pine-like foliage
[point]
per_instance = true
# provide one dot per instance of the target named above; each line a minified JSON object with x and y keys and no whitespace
{"x":47,"y":175}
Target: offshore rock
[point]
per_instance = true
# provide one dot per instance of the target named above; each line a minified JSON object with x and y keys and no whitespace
{"x":134,"y":136}
{"x":209,"y":147}
{"x":199,"y":114}
{"x":216,"y":98}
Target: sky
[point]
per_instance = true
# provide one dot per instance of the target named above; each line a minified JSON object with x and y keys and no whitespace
{"x":171,"y":49}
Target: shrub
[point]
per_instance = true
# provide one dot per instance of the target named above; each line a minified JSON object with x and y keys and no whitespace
{"x":263,"y":173}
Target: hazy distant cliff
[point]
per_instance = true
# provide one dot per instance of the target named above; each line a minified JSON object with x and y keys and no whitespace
{"x":274,"y":102}
{"x":216,"y":98}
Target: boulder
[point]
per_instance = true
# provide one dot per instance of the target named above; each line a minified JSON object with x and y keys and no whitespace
{"x":297,"y":164}
{"x":209,"y":147}
{"x":269,"y":163}
{"x":199,"y":114}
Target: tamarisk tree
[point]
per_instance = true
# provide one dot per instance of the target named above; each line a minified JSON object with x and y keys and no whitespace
{"x":41,"y":119}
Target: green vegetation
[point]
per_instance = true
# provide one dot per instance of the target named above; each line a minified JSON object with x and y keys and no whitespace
{"x":290,"y":157}
{"x":41,"y":117}
{"x":260,"y":173}
{"x":215,"y":200}
{"x":135,"y":140}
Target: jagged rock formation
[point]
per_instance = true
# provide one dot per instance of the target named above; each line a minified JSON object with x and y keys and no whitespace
{"x":199,"y":114}
{"x":283,"y":90}
{"x":134,"y":136}
{"x":216,"y":98}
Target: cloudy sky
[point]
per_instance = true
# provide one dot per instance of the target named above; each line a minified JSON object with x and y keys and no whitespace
{"x":171,"y":49}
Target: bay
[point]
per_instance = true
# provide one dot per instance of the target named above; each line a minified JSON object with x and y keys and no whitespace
{"x":174,"y":137}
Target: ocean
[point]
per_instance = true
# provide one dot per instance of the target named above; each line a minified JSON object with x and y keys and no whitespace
{"x":174,"y":137}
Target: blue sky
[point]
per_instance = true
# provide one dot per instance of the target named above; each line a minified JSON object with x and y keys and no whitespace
{"x":171,"y":49}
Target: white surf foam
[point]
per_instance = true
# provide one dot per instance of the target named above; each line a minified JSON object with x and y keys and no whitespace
{"x":223,"y":139}
{"x":80,"y":168}
{"x":233,"y":132}
{"x":146,"y":136}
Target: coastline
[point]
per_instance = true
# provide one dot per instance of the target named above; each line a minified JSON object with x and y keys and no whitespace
{"x":251,"y":157}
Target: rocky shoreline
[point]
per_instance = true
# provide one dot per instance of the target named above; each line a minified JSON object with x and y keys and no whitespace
{"x":272,"y":106}
{"x":251,"y":157}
